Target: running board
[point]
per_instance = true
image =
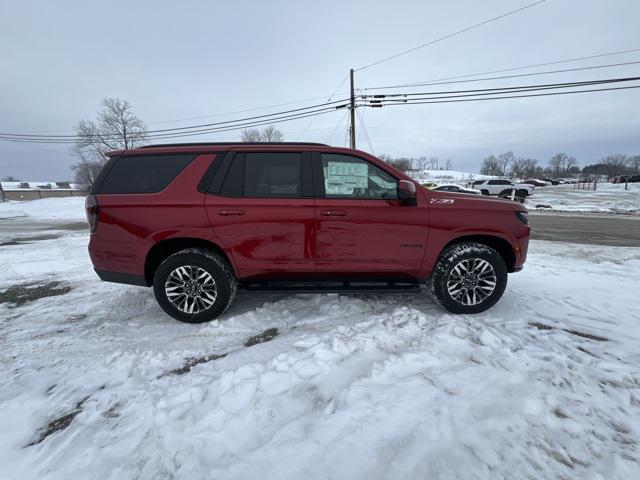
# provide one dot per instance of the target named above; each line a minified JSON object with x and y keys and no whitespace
{"x":330,"y":287}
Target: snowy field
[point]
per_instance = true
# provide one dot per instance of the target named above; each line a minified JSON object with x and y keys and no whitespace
{"x":446,"y":176}
{"x":98,"y":383}
{"x":608,"y":198}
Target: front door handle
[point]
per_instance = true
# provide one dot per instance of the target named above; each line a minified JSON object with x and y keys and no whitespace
{"x":333,"y":213}
{"x":230,"y":211}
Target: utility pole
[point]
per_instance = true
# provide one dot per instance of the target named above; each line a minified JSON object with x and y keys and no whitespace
{"x":353,"y":113}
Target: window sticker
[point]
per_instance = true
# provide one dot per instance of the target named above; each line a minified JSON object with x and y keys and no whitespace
{"x":342,"y":178}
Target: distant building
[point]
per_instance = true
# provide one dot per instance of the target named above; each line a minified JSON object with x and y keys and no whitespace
{"x":36,"y":190}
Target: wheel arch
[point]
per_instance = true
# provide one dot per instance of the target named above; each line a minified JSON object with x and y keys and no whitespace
{"x":164,"y":248}
{"x":499,"y":244}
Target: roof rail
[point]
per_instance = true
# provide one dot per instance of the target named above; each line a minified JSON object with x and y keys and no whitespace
{"x":207,"y":144}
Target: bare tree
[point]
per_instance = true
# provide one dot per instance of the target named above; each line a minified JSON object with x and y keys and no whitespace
{"x":251,"y":135}
{"x":86,"y":171}
{"x":504,"y":160}
{"x":562,"y":164}
{"x":634,"y":163}
{"x":10,"y":178}
{"x":617,"y":164}
{"x":267,"y":134}
{"x":272,"y":134}
{"x":491,"y":166}
{"x":524,"y":167}
{"x":116,"y":128}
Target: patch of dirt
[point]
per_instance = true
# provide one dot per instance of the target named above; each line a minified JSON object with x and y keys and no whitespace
{"x":58,"y":424}
{"x":540,"y":326}
{"x":18,"y":295}
{"x":590,"y":336}
{"x":192,"y":362}
{"x":265,"y":336}
{"x":31,"y":239}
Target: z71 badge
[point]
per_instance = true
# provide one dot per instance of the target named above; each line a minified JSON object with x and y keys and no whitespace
{"x":443,"y":201}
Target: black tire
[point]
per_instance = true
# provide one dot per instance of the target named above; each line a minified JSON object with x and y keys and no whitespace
{"x":484,"y":191}
{"x":212,"y":263}
{"x":444,"y":269}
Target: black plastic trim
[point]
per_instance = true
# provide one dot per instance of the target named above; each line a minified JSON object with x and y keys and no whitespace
{"x":118,"y":277}
{"x":207,"y":178}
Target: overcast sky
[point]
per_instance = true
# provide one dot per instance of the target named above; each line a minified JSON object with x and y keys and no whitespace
{"x":179,"y":60}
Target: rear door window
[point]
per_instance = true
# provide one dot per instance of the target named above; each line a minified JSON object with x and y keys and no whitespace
{"x":143,"y":173}
{"x":268,"y":175}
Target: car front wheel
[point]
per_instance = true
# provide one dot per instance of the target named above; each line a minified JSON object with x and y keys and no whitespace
{"x":469,"y":277}
{"x":194,"y":285}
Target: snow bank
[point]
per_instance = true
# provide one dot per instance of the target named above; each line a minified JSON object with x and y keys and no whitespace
{"x":64,"y":208}
{"x":446,"y":176}
{"x":544,"y":385}
{"x":608,"y":198}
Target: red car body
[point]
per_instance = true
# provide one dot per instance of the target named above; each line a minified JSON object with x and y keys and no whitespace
{"x":310,"y":238}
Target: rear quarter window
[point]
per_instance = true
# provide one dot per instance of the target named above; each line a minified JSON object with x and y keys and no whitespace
{"x":142,"y":173}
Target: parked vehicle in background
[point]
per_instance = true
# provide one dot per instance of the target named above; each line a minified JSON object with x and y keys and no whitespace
{"x":552,"y":181}
{"x":452,"y":187}
{"x":536,"y":183}
{"x":199,"y":221}
{"x":503,"y":186}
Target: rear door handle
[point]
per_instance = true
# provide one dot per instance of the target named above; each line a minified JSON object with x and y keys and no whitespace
{"x":333,"y":213}
{"x":231,"y":211}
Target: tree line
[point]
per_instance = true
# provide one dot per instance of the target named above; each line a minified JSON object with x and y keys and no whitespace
{"x":559,"y":165}
{"x":405,"y":164}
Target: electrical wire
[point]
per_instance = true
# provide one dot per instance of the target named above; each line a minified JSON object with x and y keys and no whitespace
{"x":328,"y":100}
{"x":501,"y":97}
{"x":364,"y":129}
{"x":346,"y":113}
{"x":548,"y":72}
{"x":189,"y":134}
{"x":189,"y":128}
{"x":512,"y":12}
{"x":383,"y":97}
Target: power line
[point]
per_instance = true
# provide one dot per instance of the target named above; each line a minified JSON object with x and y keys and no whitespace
{"x":383,"y":97}
{"x":158,"y":133}
{"x":364,"y":129}
{"x":328,"y":100}
{"x":548,"y":72}
{"x":188,"y":134}
{"x":501,"y":97}
{"x":244,"y":111}
{"x":512,"y":12}
{"x":337,"y":126}
{"x":510,"y":69}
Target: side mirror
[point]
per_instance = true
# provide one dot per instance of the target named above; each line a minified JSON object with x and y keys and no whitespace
{"x":407,"y":193}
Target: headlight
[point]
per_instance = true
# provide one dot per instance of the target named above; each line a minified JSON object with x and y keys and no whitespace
{"x":523,"y":217}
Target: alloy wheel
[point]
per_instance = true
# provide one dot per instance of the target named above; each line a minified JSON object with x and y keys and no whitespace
{"x":471,"y":281}
{"x":191,"y":289}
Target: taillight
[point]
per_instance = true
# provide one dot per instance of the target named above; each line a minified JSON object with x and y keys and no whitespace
{"x":91,"y":207}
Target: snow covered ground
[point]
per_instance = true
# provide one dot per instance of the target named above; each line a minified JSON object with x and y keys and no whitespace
{"x":68,"y":209}
{"x":98,"y":383}
{"x":608,"y":198}
{"x":446,"y":176}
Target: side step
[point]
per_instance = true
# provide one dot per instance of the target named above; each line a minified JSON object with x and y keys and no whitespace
{"x":351,"y":286}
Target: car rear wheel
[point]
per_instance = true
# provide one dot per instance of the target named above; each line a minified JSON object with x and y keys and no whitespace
{"x":469,"y":278}
{"x":194,"y":285}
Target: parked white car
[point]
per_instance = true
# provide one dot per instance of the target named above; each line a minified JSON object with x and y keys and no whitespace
{"x":452,"y":187}
{"x":499,"y":186}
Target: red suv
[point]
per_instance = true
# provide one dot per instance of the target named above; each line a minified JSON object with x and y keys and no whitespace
{"x":199,"y":221}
